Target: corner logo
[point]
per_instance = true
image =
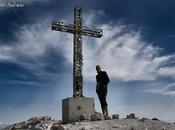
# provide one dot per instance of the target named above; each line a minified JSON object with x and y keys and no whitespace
{"x":12,"y":4}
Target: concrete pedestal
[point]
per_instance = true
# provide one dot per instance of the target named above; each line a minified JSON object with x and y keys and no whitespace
{"x":73,"y":108}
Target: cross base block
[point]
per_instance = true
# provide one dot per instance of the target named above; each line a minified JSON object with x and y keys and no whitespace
{"x":73,"y":108}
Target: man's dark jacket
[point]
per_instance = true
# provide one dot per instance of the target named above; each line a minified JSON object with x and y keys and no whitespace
{"x":102,"y":78}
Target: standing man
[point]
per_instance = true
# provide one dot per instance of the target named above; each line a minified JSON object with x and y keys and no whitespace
{"x":101,"y":88}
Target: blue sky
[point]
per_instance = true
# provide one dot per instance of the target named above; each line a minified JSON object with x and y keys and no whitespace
{"x":137,"y":50}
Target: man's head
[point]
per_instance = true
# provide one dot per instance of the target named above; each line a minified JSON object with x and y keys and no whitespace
{"x":98,"y":68}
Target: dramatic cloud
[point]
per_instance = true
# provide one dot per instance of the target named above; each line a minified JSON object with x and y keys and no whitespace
{"x":126,"y":56}
{"x":121,"y":51}
{"x":32,"y":44}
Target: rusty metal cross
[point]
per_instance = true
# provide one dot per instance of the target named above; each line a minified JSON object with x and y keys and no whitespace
{"x":78,"y":30}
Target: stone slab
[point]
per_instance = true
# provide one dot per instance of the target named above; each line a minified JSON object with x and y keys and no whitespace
{"x":73,"y":108}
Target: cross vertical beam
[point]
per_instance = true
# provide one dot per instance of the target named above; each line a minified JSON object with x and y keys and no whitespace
{"x":78,"y":30}
{"x":78,"y":57}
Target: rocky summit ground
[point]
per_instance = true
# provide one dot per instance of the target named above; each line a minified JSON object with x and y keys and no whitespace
{"x":48,"y":123}
{"x":119,"y":124}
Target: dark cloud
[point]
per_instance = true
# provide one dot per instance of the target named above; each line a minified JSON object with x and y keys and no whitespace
{"x":54,"y":62}
{"x":12,"y":71}
{"x":11,"y":19}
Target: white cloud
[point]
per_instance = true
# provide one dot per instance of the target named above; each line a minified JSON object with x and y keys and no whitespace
{"x":32,"y":43}
{"x":167,"y":71}
{"x":35,"y":40}
{"x":168,"y":90}
{"x":124,"y":54}
{"x":5,"y":53}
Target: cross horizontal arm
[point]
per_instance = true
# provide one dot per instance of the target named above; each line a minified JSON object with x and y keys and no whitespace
{"x":60,"y":26}
{"x":92,"y":32}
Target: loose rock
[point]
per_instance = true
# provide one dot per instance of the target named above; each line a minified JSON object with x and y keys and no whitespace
{"x":115,"y":116}
{"x":84,"y":117}
{"x":131,"y":116}
{"x":155,"y":119}
{"x":97,"y":117}
{"x":143,"y":119}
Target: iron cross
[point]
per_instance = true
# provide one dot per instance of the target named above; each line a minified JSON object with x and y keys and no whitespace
{"x":78,"y":30}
